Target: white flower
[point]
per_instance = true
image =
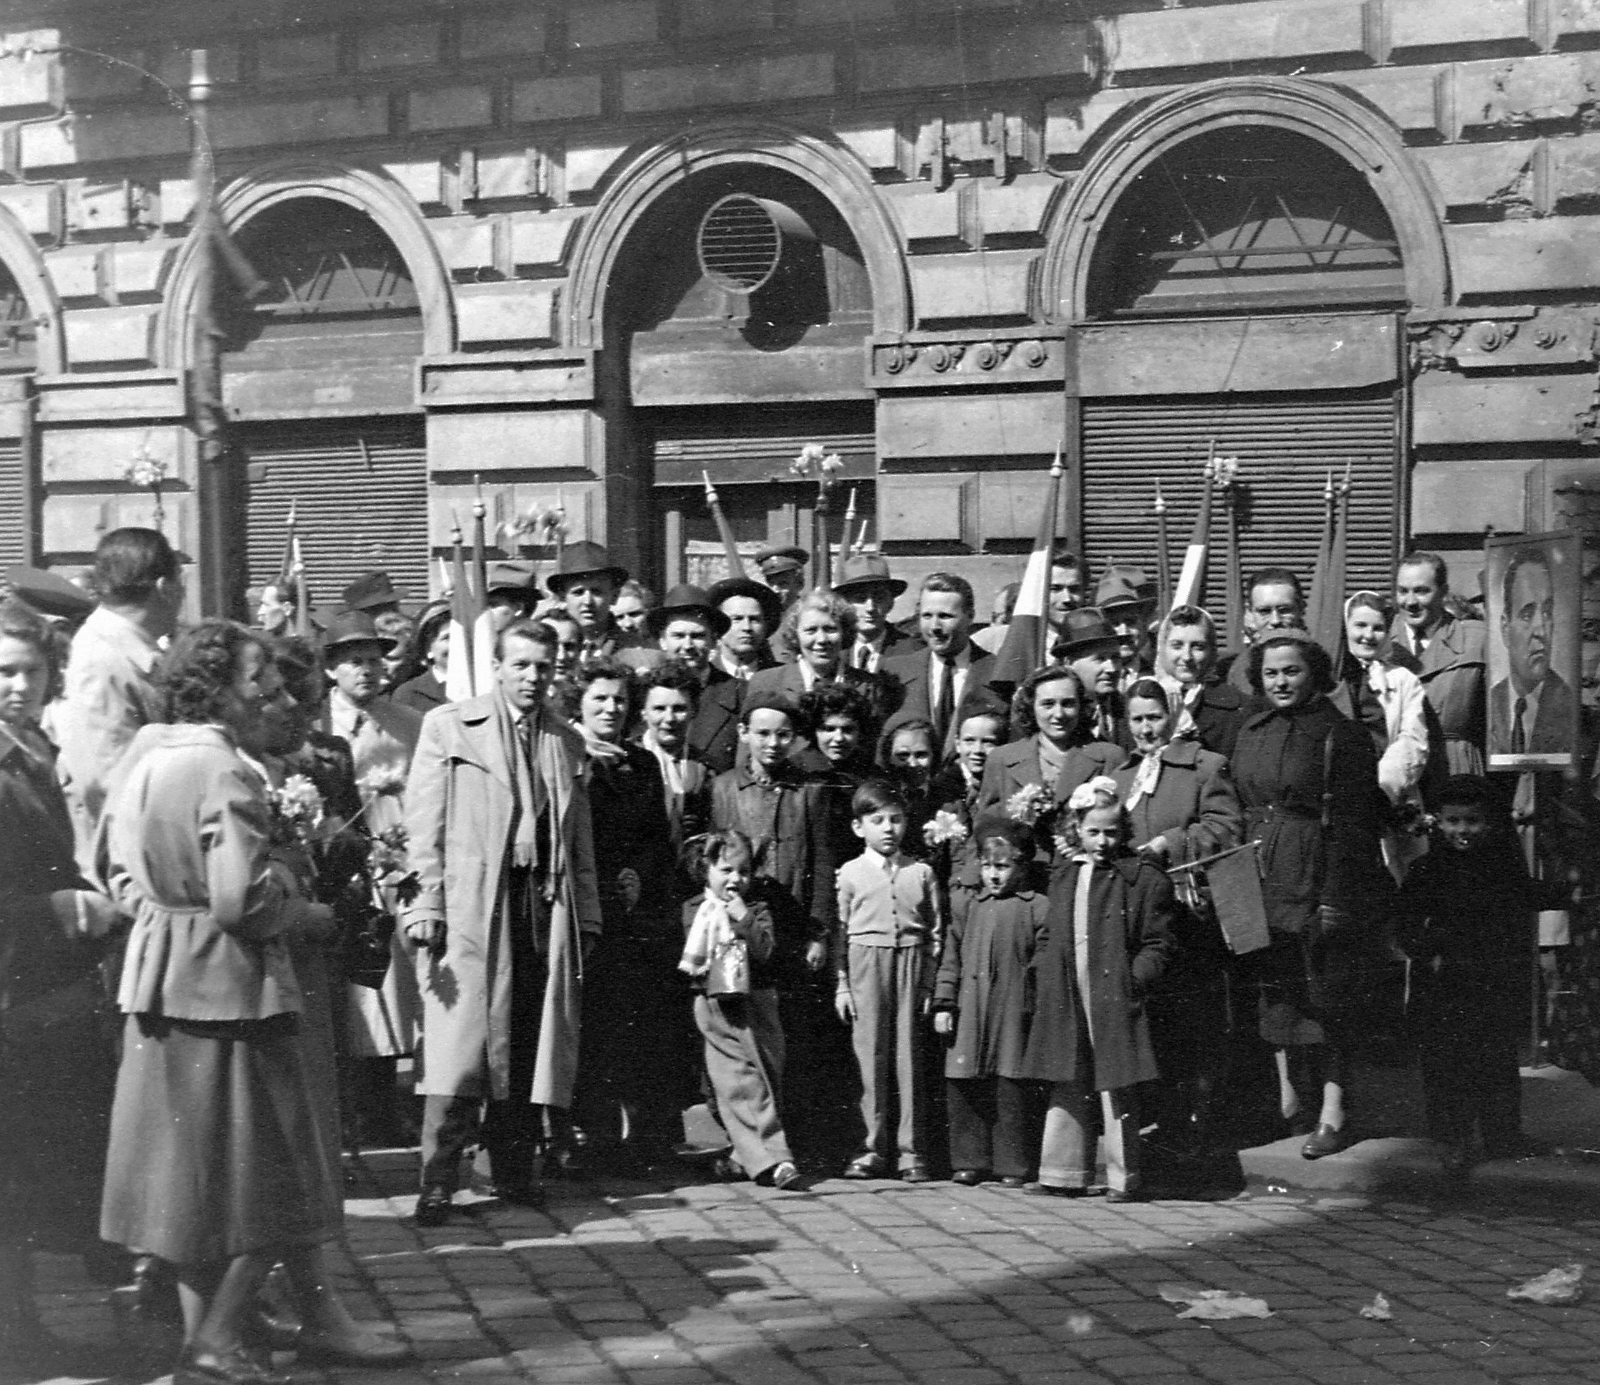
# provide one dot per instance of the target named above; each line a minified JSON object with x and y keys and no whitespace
{"x":300,"y":802}
{"x":388,"y":780}
{"x":944,"y":826}
{"x":1224,"y":470}
{"x":145,"y":470}
{"x":1030,"y":803}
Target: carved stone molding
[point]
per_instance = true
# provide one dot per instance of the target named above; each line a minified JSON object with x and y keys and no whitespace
{"x":966,"y":360}
{"x":1507,"y":340}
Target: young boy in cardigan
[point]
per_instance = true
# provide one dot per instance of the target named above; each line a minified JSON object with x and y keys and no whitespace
{"x":1109,"y":937}
{"x":982,"y":1006}
{"x":885,"y":952}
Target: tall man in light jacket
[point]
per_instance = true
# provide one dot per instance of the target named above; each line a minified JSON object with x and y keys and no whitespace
{"x":497,"y":808}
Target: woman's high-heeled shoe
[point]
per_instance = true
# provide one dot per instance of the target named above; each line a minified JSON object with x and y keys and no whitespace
{"x":203,"y":1366}
{"x":358,"y":1348}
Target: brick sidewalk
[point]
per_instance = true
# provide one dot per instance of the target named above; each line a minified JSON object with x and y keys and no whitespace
{"x":633,"y":1284}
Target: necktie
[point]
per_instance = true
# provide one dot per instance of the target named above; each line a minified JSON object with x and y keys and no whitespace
{"x":1519,"y":736}
{"x":945,"y":706}
{"x":864,"y":657}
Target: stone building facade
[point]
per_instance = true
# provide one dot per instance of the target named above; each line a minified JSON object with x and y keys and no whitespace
{"x":589,"y":251}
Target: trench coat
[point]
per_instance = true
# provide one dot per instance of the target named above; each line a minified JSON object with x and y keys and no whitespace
{"x":461,"y":814}
{"x":1130,"y":939}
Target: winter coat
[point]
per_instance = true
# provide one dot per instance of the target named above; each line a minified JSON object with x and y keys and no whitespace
{"x":986,"y":978}
{"x":1130,"y":938}
{"x":1194,"y":808}
{"x":1452,"y":669}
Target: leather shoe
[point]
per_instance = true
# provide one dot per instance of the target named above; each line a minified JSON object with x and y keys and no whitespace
{"x":202,"y":1366}
{"x":866,"y":1166}
{"x":269,"y":1331}
{"x":359,"y":1348}
{"x":1048,"y":1190}
{"x":1326,"y":1140}
{"x":968,"y":1178}
{"x":1012,"y":1180}
{"x":433,"y":1206}
{"x":520,"y":1194}
{"x":917,"y":1173}
{"x":1122,"y":1195}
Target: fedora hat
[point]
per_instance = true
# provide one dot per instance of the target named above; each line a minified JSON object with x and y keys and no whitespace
{"x":1083,"y":629}
{"x":1122,"y":585}
{"x":867,"y":570}
{"x":353,"y":627}
{"x":513,"y":575}
{"x":779,"y":557}
{"x":49,"y":593}
{"x":771,"y":602}
{"x":685,"y":600}
{"x":583,"y":559}
{"x":372,"y":591}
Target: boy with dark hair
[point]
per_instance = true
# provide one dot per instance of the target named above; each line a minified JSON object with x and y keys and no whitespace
{"x":885,"y":952}
{"x":1466,"y":919}
{"x":767,"y":797}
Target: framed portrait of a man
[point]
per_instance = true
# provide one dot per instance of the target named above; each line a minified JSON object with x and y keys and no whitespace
{"x":1531,"y":585}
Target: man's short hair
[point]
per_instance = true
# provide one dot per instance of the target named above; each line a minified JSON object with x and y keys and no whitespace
{"x":128,"y":563}
{"x":1420,"y":558}
{"x":873,"y":797}
{"x":949,"y":582}
{"x":1520,"y":558}
{"x":1275,"y":577}
{"x":525,"y":628}
{"x":673,"y":674}
{"x":768,"y":702}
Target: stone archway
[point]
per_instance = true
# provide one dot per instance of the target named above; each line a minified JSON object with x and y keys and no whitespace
{"x":374,"y":194}
{"x":825,"y":163}
{"x":1353,"y":129}
{"x":19,"y":253}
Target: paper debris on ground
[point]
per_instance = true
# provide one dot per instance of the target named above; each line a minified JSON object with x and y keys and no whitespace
{"x":1080,"y":1324}
{"x":1377,"y":1310}
{"x":1564,"y":1284}
{"x":1214,"y":1305}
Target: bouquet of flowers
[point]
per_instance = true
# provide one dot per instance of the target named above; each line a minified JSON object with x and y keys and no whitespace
{"x":945,"y":828}
{"x":1033,"y":804}
{"x":388,"y":867}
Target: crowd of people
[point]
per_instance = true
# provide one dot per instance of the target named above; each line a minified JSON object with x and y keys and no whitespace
{"x":754,"y":848}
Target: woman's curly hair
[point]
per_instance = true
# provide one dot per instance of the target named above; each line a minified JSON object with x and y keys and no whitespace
{"x":195,"y":674}
{"x":572,"y":688}
{"x":1022,"y":719}
{"x":1316,"y":657}
{"x":821,"y":599}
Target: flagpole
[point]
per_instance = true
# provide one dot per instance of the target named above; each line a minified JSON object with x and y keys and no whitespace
{"x":1041,"y":653}
{"x":1163,"y":555}
{"x":730,"y":545}
{"x":1192,"y":579}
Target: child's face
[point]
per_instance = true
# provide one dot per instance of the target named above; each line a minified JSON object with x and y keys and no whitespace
{"x":729,"y":877}
{"x":767,"y":736}
{"x":837,"y":738}
{"x":910,"y":750}
{"x":1463,"y":825}
{"x":1001,"y":867}
{"x":978,"y":736}
{"x":883,"y":829}
{"x":1100,"y":832}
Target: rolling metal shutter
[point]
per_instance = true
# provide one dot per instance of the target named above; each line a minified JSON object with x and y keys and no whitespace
{"x":13,"y":505}
{"x":360,"y":492}
{"x":1286,"y":444}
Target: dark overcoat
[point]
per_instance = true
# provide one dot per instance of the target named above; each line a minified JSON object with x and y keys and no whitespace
{"x":1130,"y":939}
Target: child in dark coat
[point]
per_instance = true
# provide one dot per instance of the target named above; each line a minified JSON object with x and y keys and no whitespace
{"x":1109,"y":938}
{"x":1466,"y":919}
{"x":983,"y":1002}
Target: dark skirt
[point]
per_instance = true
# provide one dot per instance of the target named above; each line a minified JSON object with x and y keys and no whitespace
{"x":57,"y":1070}
{"x":215,"y":1150}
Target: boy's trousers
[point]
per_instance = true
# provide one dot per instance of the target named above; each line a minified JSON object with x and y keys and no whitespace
{"x":744,"y":1058}
{"x":887,"y":988}
{"x":1067,"y":1158}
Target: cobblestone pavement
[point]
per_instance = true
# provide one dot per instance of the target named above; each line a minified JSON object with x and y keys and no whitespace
{"x":640,"y":1284}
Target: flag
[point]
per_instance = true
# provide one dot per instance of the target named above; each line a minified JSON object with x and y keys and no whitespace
{"x":460,"y":678}
{"x":1026,"y":646}
{"x":483,"y":629}
{"x":292,"y":574}
{"x":1191,"y":587}
{"x":1325,"y":611}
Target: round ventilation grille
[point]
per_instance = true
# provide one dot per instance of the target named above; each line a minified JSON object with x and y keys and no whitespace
{"x":740,"y":242}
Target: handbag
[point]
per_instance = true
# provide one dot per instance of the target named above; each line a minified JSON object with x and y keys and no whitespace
{"x":728,"y":972}
{"x":365,"y":935}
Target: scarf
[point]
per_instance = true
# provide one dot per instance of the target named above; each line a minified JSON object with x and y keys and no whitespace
{"x":532,"y":794}
{"x":1145,"y":778}
{"x":1082,"y":972}
{"x":1182,"y":699}
{"x":672,"y":780}
{"x":711,"y":929}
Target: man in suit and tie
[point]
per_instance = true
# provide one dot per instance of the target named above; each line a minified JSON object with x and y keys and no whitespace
{"x":1532,"y":711}
{"x":1449,"y":653}
{"x":753,"y":611}
{"x":949,"y":680}
{"x":867,"y":584}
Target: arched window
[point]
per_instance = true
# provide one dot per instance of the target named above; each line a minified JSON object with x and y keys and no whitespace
{"x":18,"y":331}
{"x":1248,"y":218}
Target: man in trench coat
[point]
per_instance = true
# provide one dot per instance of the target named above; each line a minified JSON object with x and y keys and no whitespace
{"x":497,"y":810}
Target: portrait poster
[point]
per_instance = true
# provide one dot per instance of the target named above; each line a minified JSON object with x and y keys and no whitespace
{"x":1532,"y":591}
